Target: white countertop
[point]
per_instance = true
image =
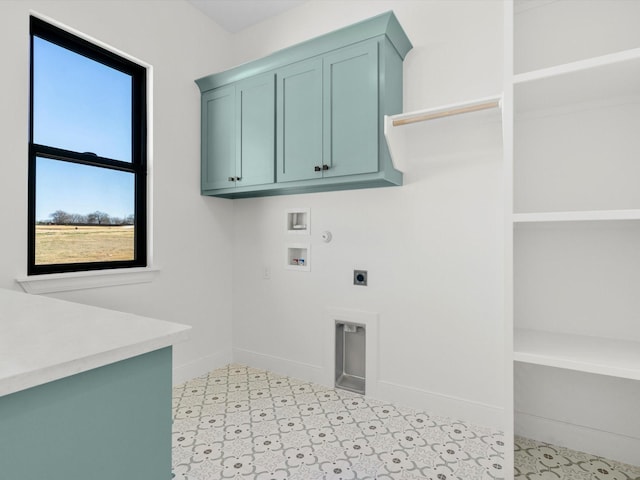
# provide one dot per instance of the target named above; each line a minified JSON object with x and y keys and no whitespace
{"x":44,"y":339}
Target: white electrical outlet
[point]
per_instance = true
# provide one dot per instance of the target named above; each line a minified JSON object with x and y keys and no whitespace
{"x":266,"y":273}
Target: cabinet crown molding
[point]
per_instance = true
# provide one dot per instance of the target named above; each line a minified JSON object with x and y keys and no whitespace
{"x":384,"y":24}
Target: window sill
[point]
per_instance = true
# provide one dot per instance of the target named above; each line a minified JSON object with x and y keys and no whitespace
{"x":64,"y":282}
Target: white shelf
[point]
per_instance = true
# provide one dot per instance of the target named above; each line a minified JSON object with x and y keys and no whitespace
{"x":625,"y":57}
{"x":578,"y":216}
{"x":600,"y":79}
{"x":603,"y":356}
{"x":397,"y":127}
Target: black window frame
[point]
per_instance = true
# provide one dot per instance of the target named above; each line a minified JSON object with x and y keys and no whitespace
{"x":137,"y":166}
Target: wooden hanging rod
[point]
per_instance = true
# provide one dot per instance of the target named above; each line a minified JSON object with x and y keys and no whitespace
{"x":447,"y":113}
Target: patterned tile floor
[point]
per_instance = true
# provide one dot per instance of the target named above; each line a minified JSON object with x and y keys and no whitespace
{"x":243,"y":423}
{"x":541,"y":461}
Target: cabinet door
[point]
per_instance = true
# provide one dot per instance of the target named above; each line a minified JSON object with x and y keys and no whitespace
{"x":299,"y":145}
{"x":351,"y":119}
{"x":218,"y":138}
{"x":256,"y":130}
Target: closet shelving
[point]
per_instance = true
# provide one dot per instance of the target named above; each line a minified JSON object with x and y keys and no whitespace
{"x":575,"y":174}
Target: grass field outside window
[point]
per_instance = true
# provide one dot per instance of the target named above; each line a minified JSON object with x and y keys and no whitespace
{"x":59,"y":244}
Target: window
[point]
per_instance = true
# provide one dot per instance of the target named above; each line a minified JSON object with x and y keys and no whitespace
{"x":87,"y":156}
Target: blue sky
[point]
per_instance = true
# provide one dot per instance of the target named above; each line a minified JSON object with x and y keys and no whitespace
{"x":83,"y":106}
{"x":82,"y":189}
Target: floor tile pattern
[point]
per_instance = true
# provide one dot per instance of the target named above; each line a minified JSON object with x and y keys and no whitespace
{"x":243,"y":423}
{"x":542,"y":461}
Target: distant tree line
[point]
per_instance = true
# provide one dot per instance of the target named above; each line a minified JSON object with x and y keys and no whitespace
{"x":60,"y":217}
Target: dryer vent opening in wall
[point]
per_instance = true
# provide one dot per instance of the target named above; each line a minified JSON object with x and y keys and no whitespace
{"x":350,"y":357}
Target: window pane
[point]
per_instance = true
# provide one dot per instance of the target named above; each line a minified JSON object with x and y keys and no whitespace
{"x":83,"y":213}
{"x":80,"y":104}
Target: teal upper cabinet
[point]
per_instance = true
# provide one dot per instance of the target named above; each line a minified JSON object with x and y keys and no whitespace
{"x":238,"y":127}
{"x":255,"y":125}
{"x":351,"y":110}
{"x":299,"y":122}
{"x":218,"y":138}
{"x":308,"y":118}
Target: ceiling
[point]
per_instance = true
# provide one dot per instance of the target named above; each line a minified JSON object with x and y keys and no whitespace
{"x":236,"y":15}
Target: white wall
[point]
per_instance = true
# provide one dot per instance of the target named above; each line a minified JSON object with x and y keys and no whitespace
{"x":191,"y":234}
{"x":433,"y":248}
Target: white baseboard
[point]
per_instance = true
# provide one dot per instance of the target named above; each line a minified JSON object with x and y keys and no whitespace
{"x":282,"y":366}
{"x":201,"y":366}
{"x":432,"y":403}
{"x":577,"y":437}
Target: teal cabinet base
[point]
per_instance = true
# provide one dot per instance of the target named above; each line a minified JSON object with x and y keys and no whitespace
{"x":353,"y":182}
{"x":113,"y":422}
